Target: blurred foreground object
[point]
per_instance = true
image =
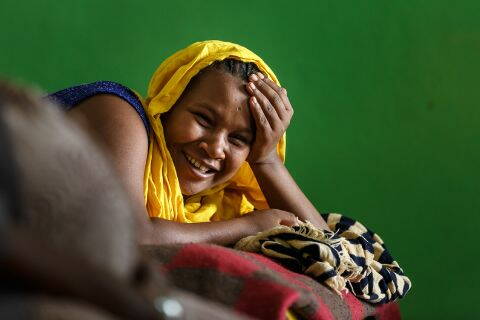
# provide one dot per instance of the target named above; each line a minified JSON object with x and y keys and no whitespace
{"x":67,"y":234}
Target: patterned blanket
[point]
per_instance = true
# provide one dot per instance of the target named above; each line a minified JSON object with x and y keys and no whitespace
{"x":350,"y":257}
{"x":254,"y":285}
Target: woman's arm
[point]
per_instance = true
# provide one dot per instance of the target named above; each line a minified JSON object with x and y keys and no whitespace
{"x":272,"y":112}
{"x":116,"y":127}
{"x":218,"y":232}
{"x":283,"y":193}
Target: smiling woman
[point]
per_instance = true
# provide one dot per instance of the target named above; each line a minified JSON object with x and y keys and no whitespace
{"x":206,"y":145}
{"x":209,"y":131}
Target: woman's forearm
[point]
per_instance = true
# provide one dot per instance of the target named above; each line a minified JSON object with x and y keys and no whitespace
{"x":282,"y":192}
{"x":160,"y":231}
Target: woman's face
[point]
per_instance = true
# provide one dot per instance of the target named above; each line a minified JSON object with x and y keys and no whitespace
{"x":209,"y":131}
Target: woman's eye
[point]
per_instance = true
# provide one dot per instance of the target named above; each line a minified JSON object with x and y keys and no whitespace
{"x":239,"y":141}
{"x":203,"y":120}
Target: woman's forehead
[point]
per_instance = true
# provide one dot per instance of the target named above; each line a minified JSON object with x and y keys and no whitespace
{"x":222,"y":94}
{"x":219,"y":84}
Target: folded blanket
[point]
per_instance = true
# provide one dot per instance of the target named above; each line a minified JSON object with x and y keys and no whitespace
{"x":255,"y":285}
{"x":350,"y":257}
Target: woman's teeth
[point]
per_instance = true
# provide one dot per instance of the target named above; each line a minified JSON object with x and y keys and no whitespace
{"x":196,"y":164}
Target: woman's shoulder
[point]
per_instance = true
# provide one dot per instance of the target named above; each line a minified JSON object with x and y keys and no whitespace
{"x":105,"y":111}
{"x":72,"y":97}
{"x":112,"y":123}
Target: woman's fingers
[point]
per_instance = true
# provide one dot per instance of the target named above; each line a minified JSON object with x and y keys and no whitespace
{"x":261,"y":121}
{"x":282,"y":92}
{"x":286,"y":218}
{"x":268,"y":111}
{"x":289,"y":221}
{"x":276,"y":96}
{"x":257,"y":89}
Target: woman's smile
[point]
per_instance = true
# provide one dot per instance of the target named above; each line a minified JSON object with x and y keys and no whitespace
{"x":200,"y":167}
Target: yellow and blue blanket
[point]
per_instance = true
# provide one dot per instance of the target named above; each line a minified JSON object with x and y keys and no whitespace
{"x":349,"y":257}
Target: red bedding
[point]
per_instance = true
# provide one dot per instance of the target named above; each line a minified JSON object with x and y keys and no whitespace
{"x":257,"y":286}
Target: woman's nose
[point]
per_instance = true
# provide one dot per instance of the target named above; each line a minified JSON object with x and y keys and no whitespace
{"x":214,"y":146}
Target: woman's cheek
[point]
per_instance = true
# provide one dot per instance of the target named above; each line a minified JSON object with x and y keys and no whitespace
{"x":240,"y":157}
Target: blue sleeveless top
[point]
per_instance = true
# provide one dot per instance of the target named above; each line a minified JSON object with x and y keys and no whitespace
{"x":70,"y":97}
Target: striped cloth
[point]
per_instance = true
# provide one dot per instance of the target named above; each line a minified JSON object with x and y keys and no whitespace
{"x":351,"y":257}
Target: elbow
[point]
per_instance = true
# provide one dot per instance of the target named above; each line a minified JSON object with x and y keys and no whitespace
{"x":157,"y":231}
{"x":145,"y":233}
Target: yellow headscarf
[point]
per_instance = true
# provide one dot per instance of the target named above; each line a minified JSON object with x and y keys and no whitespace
{"x":163,"y":197}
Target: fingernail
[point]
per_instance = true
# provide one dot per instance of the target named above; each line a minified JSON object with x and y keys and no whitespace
{"x":253,"y":77}
{"x":254,"y":100}
{"x":260,"y":75}
{"x":252,"y":86}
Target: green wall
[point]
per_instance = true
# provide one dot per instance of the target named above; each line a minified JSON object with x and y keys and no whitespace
{"x":385,"y":93}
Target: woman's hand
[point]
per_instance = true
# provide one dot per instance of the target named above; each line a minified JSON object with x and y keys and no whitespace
{"x":262,"y":220}
{"x":272,"y":112}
